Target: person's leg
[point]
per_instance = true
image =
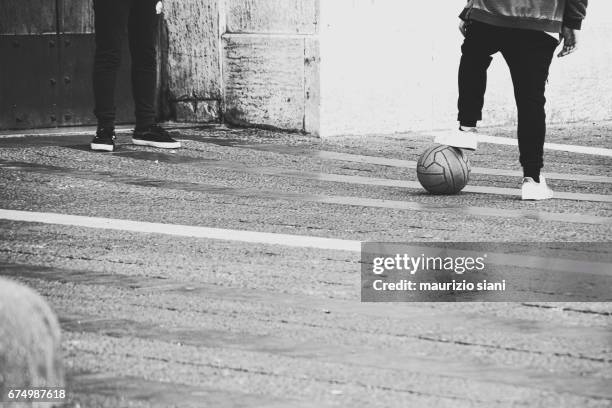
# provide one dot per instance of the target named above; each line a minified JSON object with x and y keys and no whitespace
{"x":143,"y":23}
{"x":111,"y":17}
{"x":481,"y":41}
{"x":529,"y":55}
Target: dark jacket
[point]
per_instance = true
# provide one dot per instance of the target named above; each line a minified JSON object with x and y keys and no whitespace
{"x":543,"y":15}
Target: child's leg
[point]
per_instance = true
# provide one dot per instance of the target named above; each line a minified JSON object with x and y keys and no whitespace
{"x":481,"y":41}
{"x":110,"y":24}
{"x":529,"y":55}
{"x":143,"y":23}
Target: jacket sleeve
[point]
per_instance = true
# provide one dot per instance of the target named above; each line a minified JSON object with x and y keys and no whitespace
{"x":575,"y":11}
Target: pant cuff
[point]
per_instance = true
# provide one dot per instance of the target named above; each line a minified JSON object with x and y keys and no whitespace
{"x":468,"y":123}
{"x":531,"y":171}
{"x":106,"y":125}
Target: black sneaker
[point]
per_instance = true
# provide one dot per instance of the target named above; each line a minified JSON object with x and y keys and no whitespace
{"x":104,"y":140}
{"x":155,"y":136}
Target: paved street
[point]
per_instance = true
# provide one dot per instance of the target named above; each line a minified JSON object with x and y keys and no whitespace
{"x":250,"y":295}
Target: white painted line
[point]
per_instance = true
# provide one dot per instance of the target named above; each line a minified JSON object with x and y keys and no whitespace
{"x":415,"y":185}
{"x":299,"y":241}
{"x":470,"y":211}
{"x":596,"y":151}
{"x":182,"y":230}
{"x":358,"y":158}
{"x":383,"y":182}
{"x":85,"y":130}
{"x":440,"y":206}
{"x":409,"y":164}
{"x":549,"y":175}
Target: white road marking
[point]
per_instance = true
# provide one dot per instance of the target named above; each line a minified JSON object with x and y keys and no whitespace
{"x":591,"y":150}
{"x":595,"y":151}
{"x":182,"y":230}
{"x":383,"y":182}
{"x":340,"y":178}
{"x":470,"y":211}
{"x":324,"y":199}
{"x":84,"y":130}
{"x":409,"y":164}
{"x":301,"y":241}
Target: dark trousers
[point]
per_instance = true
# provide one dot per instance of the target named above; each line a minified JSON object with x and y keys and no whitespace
{"x":528,"y":54}
{"x":113,"y":18}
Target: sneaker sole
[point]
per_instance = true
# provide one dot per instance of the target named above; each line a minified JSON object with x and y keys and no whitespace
{"x":536,"y":199}
{"x":161,"y":145}
{"x":470,"y":148}
{"x":102,"y":147}
{"x":449,"y":142}
{"x":531,"y":198}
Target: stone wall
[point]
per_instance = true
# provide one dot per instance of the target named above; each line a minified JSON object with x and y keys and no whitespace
{"x":248,"y":62}
{"x":270,"y":63}
{"x":191,"y":68}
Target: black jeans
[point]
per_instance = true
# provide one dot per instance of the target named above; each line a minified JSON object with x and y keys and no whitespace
{"x":112,"y":19}
{"x":528,"y":54}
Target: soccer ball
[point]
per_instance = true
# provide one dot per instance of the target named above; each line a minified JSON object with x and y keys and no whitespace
{"x":443,"y":170}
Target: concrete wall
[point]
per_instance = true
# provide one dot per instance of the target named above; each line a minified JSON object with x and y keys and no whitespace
{"x":391,"y":66}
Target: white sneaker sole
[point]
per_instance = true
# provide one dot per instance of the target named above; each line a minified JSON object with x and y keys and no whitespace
{"x":102,"y":147}
{"x":531,"y":194}
{"x":465,"y":141}
{"x":531,"y":191}
{"x":160,"y":145}
{"x":527,"y":197}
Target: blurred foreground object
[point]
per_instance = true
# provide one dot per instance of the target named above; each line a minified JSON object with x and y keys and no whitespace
{"x":30,"y":355}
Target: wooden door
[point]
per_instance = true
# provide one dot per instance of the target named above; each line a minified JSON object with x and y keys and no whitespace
{"x":46,"y":56}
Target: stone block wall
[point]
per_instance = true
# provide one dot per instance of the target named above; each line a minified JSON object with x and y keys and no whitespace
{"x":247,"y":62}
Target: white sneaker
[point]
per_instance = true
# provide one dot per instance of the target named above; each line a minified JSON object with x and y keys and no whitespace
{"x":461,"y":139}
{"x":535,"y":191}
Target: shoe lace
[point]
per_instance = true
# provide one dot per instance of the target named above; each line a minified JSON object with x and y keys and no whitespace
{"x":106,"y":132}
